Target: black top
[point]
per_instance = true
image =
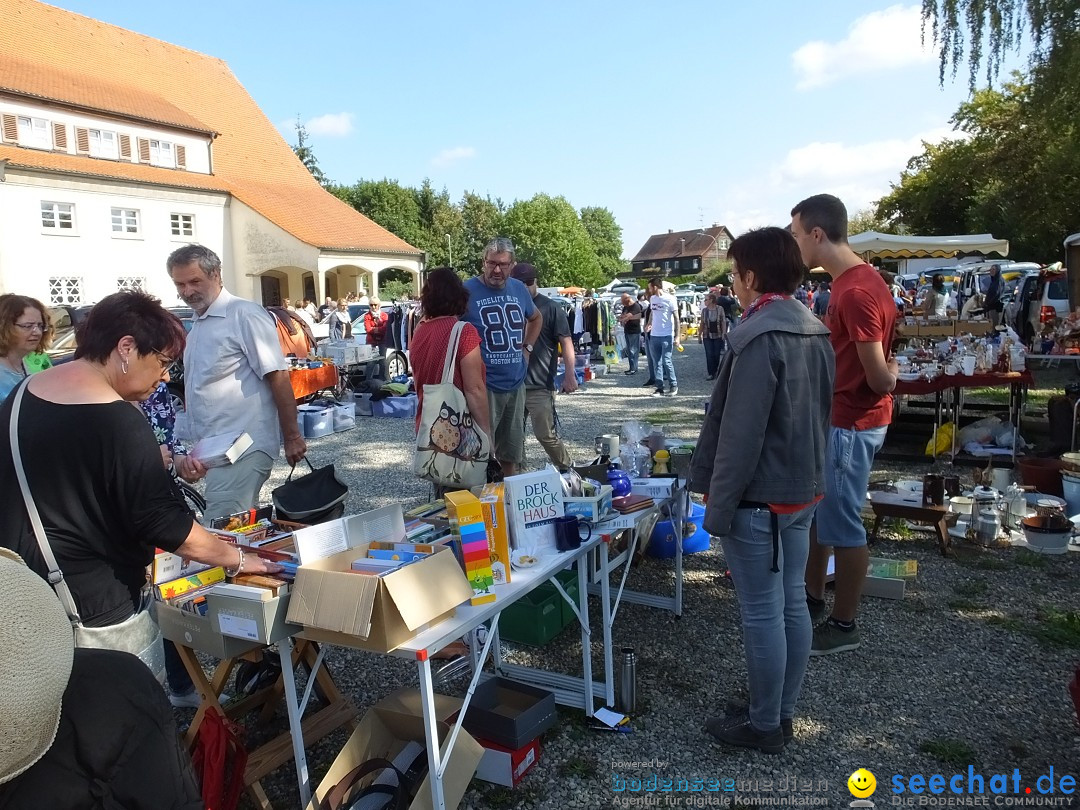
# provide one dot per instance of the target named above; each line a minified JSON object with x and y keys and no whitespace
{"x":545,"y":360}
{"x":632,"y":327}
{"x":727,"y":303}
{"x":104,"y":496}
{"x":116,"y":746}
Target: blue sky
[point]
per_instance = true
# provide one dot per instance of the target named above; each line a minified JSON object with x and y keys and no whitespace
{"x":669,"y":114}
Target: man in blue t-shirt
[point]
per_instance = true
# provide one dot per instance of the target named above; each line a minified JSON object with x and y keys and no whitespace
{"x":502,"y":310}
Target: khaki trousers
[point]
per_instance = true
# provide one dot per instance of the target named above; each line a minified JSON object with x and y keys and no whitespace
{"x":540,"y":406}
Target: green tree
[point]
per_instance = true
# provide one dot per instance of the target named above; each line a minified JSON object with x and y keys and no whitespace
{"x":481,"y":221}
{"x":387,"y":203}
{"x":306,"y":154}
{"x":606,"y":237}
{"x":438,"y":218}
{"x":865,"y":220}
{"x":548,"y":233}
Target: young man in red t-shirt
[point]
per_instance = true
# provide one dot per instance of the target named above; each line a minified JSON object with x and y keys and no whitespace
{"x":861,"y":316}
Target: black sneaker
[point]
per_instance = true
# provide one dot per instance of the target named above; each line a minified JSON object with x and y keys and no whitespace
{"x":628,"y":373}
{"x":649,"y":384}
{"x":739,"y":732}
{"x":737,"y":707}
{"x":659,"y":392}
{"x":829,"y":638}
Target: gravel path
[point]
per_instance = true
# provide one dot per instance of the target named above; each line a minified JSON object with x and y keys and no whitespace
{"x":970,"y":668}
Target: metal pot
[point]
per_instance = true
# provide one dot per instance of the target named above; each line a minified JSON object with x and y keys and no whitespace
{"x":987,"y":527}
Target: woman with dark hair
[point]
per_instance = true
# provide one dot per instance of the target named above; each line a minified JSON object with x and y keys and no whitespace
{"x":443,"y":301}
{"x":25,"y":329}
{"x":94,"y":469}
{"x":759,"y":461}
{"x":712,"y":329}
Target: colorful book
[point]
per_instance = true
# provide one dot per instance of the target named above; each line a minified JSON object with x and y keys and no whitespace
{"x":470,"y":534}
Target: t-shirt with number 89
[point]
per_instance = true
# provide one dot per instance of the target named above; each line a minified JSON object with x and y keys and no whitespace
{"x":500,"y":317}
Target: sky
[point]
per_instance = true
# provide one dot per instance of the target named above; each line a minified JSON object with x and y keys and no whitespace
{"x":672,"y":115}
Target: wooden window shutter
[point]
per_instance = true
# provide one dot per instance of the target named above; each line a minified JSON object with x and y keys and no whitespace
{"x":82,"y":141}
{"x":181,"y":157}
{"x":144,"y":150}
{"x":11,"y":128}
{"x":59,"y":135}
{"x":125,"y":147}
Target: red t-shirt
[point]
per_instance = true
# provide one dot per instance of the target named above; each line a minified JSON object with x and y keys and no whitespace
{"x":427,"y":354}
{"x":861,"y":310}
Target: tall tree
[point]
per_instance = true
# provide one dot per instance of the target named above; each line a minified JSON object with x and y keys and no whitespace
{"x":481,"y":221}
{"x":389,"y":204}
{"x":606,"y":237}
{"x":439,"y":218}
{"x":548,"y":233}
{"x":864,"y":220}
{"x":306,"y":154}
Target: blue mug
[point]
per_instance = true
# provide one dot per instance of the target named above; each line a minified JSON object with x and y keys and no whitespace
{"x":568,"y":532}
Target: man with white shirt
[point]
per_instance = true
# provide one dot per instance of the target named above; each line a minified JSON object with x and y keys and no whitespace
{"x":664,"y":335}
{"x":236,"y":380}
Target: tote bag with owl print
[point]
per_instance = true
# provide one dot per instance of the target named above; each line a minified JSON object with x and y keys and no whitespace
{"x":451,"y":450}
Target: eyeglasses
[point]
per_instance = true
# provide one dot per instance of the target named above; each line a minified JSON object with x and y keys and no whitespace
{"x":164,"y":359}
{"x":490,"y":265}
{"x":30,"y":327}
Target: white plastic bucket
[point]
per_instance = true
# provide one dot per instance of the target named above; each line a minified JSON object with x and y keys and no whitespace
{"x":1071,"y":486}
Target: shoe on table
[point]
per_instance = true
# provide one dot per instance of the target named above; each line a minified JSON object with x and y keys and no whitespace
{"x":674,"y":392}
{"x":829,"y":638}
{"x":738,"y":731}
{"x":736,"y":707}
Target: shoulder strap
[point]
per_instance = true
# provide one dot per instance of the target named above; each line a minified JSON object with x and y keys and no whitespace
{"x":56,"y":576}
{"x":450,"y":364}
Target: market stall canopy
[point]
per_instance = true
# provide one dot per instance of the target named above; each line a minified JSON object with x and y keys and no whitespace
{"x":897,"y":246}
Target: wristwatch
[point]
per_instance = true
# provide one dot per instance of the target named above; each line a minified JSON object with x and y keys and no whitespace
{"x":528,"y":347}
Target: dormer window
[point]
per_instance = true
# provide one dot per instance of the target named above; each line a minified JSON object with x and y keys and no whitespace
{"x":157,"y":152}
{"x":34,"y":132}
{"x":103,"y":144}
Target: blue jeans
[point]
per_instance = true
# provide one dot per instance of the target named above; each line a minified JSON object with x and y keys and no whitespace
{"x":714,"y":347}
{"x":633,"y":349}
{"x":176,"y":673}
{"x":849,"y":457}
{"x":650,"y":357}
{"x":775,"y":618}
{"x":665,"y":366}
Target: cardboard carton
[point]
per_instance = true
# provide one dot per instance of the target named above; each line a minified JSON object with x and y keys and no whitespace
{"x":510,"y":713}
{"x":504,"y":766}
{"x":388,"y":727}
{"x":199,"y":633}
{"x":379,"y":613}
{"x":261,"y":621}
{"x":493,"y":501}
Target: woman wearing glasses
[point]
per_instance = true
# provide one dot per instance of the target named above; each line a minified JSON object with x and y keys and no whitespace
{"x":94,"y":469}
{"x":24,"y":330}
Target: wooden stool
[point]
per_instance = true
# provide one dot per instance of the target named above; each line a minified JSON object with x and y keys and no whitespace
{"x":910,"y":507}
{"x":338,"y":712}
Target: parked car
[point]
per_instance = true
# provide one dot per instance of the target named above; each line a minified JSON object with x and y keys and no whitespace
{"x":395,"y":363}
{"x":975,"y":278}
{"x":1040,"y":297}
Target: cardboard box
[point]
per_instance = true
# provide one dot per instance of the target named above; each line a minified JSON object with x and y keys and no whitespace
{"x":467,"y":525}
{"x":509,"y":713}
{"x":892,"y":569}
{"x":657,"y":488}
{"x":389,"y":726}
{"x":593,"y":508}
{"x":377,"y":613}
{"x":503,"y":766}
{"x":493,"y":501}
{"x":199,"y":633}
{"x":248,"y":619}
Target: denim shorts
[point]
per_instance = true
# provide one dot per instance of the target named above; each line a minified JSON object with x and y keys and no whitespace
{"x":849,"y":457}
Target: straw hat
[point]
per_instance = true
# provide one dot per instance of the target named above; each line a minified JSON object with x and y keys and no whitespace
{"x":36,"y":648}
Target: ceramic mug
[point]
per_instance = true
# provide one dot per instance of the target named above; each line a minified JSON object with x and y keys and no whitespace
{"x":568,"y":534}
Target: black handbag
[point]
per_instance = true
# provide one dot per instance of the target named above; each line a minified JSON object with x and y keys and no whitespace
{"x":316,"y":497}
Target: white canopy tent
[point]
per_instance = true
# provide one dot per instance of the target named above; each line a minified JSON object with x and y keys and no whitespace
{"x":895,"y":246}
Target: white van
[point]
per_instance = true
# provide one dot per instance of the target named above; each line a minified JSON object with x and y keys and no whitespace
{"x":1040,"y":297}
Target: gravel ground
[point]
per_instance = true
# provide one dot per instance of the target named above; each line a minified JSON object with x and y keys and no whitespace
{"x":970,"y":668}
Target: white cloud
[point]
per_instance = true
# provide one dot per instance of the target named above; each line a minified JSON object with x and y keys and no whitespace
{"x":878,"y":41}
{"x":333,"y":125}
{"x":453,"y":155}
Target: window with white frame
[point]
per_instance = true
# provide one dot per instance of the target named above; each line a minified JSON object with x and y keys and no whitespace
{"x":65,"y":290}
{"x":34,"y":132}
{"x":722,"y":244}
{"x":131,"y":283}
{"x":103,"y":144}
{"x":125,"y":221}
{"x":161,"y":154}
{"x":182,"y":225}
{"x":57,"y":217}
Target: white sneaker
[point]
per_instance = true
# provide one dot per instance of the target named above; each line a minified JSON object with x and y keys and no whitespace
{"x":191,"y":700}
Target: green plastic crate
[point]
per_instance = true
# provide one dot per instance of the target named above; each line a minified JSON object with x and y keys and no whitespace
{"x":541,"y":614}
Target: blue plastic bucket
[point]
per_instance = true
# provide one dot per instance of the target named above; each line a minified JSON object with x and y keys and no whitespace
{"x":662,"y":542}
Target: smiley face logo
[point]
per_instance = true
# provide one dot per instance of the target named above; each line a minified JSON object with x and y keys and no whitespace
{"x":862,"y":783}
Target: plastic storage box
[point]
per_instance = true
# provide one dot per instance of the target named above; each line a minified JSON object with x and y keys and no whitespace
{"x":541,"y":614}
{"x":317,"y":421}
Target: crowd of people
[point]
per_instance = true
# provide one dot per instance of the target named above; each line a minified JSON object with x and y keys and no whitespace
{"x":783,"y":467}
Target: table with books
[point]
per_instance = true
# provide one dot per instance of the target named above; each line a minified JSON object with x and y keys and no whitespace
{"x":238,"y":622}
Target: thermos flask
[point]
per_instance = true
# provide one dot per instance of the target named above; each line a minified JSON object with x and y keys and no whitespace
{"x":627,"y":682}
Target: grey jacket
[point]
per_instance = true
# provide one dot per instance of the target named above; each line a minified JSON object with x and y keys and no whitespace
{"x":764,"y":436}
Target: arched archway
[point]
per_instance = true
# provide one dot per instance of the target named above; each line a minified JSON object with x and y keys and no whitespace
{"x":279,"y":283}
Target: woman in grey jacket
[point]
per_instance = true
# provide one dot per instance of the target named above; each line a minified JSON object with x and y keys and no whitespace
{"x":759,"y":463}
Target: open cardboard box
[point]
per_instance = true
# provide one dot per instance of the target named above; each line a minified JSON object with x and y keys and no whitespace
{"x":389,"y":726}
{"x":380,"y":613}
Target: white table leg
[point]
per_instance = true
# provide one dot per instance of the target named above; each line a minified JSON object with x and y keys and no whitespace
{"x":431,"y":733}
{"x":285,"y":649}
{"x":605,"y":612}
